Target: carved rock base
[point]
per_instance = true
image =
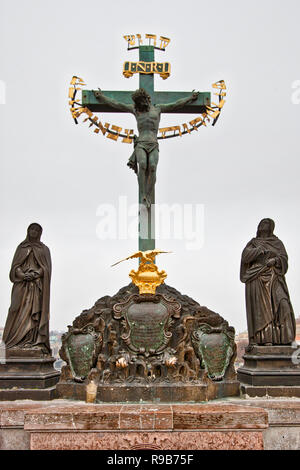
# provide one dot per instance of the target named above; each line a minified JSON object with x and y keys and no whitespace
{"x":27,"y":374}
{"x":149,"y":348}
{"x":171,"y":393}
{"x":270,"y":371}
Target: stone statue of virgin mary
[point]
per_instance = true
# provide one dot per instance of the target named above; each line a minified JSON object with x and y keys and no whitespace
{"x":27,"y":324}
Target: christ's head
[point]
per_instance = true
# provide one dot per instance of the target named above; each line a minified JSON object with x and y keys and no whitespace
{"x":142,"y":100}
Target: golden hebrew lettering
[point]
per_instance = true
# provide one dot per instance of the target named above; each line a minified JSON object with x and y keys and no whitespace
{"x":76,"y":112}
{"x":129,"y":136}
{"x":220,"y":85}
{"x":102,"y":129}
{"x":139,"y":38}
{"x":77,"y":81}
{"x":212,"y":113}
{"x":185,"y":126}
{"x":71,"y":93}
{"x":130,"y":39}
{"x":151,"y":36}
{"x":164,"y":42}
{"x":93,"y":121}
{"x":195,"y":121}
{"x":163,"y":130}
{"x":114,"y":136}
{"x":89,"y":113}
{"x":220,"y":104}
{"x":222,"y":93}
{"x":72,"y":102}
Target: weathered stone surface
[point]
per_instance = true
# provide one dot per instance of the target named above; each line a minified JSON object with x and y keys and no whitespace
{"x":48,"y":393}
{"x":229,"y":440}
{"x":274,"y":392}
{"x":282,"y":438}
{"x":280,"y":412}
{"x":14,"y":439}
{"x":161,"y":424}
{"x":270,"y":371}
{"x":219,"y":417}
{"x":145,"y":417}
{"x":28,"y":374}
{"x":154,"y":393}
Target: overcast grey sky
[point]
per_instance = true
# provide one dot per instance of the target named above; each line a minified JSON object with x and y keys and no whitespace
{"x":57,"y":174}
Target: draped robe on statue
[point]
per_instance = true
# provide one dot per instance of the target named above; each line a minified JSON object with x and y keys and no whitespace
{"x":27,"y":324}
{"x":270,"y":315}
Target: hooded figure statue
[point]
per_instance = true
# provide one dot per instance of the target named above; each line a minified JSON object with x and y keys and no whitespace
{"x":27,"y":324}
{"x":270,"y":315}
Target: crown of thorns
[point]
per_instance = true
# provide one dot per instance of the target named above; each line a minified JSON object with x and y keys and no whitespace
{"x":141,"y":94}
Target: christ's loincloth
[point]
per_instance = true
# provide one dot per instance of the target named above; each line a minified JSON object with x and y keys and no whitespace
{"x":147,"y":146}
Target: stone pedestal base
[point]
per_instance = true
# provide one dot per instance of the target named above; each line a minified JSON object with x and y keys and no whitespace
{"x":156,"y":427}
{"x":67,"y":424}
{"x":181,"y":392}
{"x":270,"y":371}
{"x":27,"y":374}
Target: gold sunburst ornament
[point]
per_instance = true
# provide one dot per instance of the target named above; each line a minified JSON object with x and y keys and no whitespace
{"x":147,"y":278}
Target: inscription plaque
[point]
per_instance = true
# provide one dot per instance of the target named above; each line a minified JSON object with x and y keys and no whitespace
{"x":214,"y":348}
{"x":147,"y":321}
{"x":80,"y":348}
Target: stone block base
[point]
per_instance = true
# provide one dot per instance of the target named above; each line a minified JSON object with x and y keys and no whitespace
{"x":28,"y":394}
{"x":27,"y":374}
{"x":152,"y":393}
{"x":276,"y":392}
{"x":159,"y":427}
{"x":270,"y":371}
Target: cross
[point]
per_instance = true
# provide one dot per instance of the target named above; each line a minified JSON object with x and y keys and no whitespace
{"x":146,"y":81}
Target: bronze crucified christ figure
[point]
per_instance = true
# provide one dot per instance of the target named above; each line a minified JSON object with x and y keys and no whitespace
{"x":144,"y":159}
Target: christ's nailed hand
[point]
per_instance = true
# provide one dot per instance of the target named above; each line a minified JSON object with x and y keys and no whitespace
{"x":98,"y":93}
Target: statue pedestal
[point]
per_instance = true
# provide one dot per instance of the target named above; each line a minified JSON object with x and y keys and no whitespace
{"x":270,"y":371}
{"x":149,"y":348}
{"x":27,"y":374}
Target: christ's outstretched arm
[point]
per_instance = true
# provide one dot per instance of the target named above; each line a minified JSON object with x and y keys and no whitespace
{"x":113,"y":103}
{"x":179,"y":103}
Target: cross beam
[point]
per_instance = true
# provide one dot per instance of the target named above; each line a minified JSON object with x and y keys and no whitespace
{"x":160,"y":97}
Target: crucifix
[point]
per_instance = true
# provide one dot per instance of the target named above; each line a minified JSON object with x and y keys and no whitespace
{"x":146,"y":105}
